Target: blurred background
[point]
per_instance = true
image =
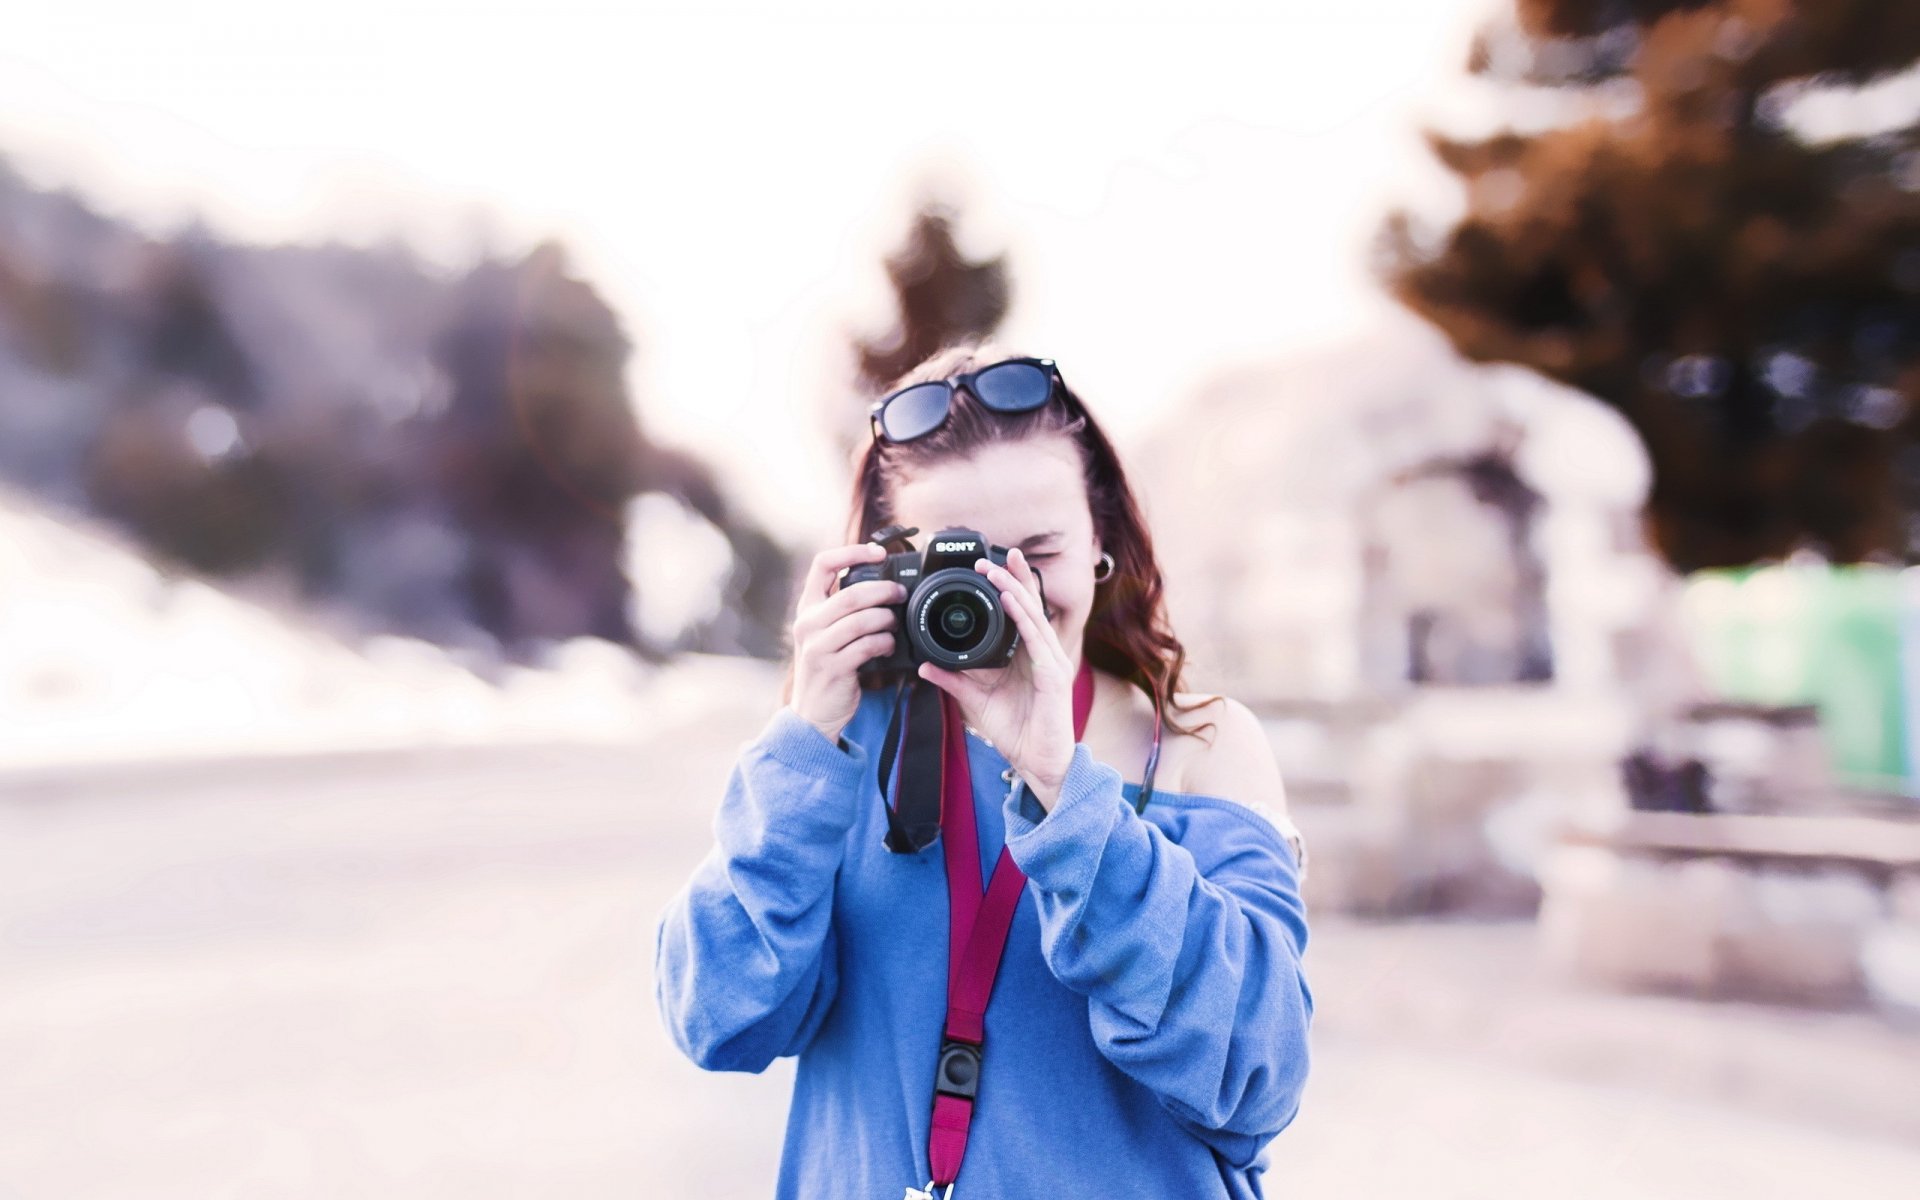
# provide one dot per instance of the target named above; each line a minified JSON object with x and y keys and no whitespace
{"x":413,"y":418}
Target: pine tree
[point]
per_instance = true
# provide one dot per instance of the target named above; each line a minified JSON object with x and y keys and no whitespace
{"x":1747,"y":296}
{"x":943,"y":298}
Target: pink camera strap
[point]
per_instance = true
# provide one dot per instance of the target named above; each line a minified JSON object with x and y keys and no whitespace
{"x":977,"y":935}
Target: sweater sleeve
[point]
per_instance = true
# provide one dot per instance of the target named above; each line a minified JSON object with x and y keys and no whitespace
{"x":1190,"y":957}
{"x":744,"y":954}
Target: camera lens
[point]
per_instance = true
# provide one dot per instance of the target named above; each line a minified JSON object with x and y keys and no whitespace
{"x":956,"y":620}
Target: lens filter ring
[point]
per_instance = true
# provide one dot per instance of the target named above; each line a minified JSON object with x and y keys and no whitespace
{"x":955,"y":618}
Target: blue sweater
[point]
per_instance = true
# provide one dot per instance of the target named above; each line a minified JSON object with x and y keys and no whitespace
{"x":1148,"y":1033}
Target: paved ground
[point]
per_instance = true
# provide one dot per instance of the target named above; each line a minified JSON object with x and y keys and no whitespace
{"x":428,"y":976}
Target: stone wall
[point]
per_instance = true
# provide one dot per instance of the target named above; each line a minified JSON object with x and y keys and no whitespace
{"x":1810,"y":910}
{"x":1444,"y":800}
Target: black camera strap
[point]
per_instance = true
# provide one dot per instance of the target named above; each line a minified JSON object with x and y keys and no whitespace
{"x":913,"y":819}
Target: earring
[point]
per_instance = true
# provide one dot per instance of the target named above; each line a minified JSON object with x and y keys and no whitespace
{"x":1100,"y":576}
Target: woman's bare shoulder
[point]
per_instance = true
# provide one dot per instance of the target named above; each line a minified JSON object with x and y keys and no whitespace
{"x":1238,"y":765}
{"x":1227,"y":754}
{"x":1230,"y":755}
{"x":1125,"y":733}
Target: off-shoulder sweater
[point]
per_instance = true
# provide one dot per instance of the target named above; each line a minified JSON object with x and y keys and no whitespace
{"x":1148,"y":1031}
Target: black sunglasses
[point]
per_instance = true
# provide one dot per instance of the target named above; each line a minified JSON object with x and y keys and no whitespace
{"x":1011,"y":386}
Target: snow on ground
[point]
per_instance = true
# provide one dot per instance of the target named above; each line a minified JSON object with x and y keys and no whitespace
{"x":105,"y":658}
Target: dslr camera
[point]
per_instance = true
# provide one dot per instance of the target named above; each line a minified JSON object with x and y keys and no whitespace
{"x":953,"y":616}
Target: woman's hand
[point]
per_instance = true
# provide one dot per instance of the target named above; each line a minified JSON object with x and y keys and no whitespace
{"x":835,"y":630}
{"x":1026,"y":707}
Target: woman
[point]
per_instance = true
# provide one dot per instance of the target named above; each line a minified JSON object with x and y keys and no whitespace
{"x":1140,"y":945}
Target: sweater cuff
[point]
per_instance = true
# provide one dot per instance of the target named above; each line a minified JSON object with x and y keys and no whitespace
{"x":793,"y":740}
{"x":1061,"y":851}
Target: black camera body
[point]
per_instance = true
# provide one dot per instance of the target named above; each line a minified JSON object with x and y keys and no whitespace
{"x":953,"y":616}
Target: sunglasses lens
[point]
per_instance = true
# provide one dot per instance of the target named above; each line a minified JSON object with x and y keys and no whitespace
{"x":915,"y":411}
{"x":1014,"y":387}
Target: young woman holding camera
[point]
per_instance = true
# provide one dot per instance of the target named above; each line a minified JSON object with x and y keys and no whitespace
{"x":1115,"y":1004}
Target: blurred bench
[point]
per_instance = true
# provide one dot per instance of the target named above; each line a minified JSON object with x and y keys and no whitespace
{"x":1889,"y":843}
{"x":1821,"y":908}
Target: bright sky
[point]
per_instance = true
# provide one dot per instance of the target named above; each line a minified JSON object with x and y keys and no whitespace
{"x":1180,"y":186}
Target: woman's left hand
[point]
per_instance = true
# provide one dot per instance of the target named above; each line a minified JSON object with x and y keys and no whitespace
{"x":1025,"y":708}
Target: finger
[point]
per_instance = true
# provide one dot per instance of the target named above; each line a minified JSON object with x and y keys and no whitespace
{"x":855,"y":625}
{"x":955,"y":683}
{"x":868,"y":593}
{"x":1026,"y":573}
{"x":1018,"y":567}
{"x":1043,"y":648}
{"x":1022,"y":569}
{"x":1041,"y":630}
{"x":1003,"y":579}
{"x":998,"y":574}
{"x":1025,"y":608}
{"x":860,"y":649}
{"x":829,"y":562}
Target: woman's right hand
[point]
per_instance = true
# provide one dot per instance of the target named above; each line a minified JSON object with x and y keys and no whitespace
{"x":835,"y":631}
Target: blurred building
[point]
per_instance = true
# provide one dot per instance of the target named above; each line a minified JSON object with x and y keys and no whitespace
{"x":1380,"y":515}
{"x":1432,"y":581}
{"x":1430,"y":577}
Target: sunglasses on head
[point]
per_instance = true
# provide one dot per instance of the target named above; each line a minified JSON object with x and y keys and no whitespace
{"x":1013,"y":385}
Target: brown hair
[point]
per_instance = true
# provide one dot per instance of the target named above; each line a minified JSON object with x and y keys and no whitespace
{"x":1127,"y":633}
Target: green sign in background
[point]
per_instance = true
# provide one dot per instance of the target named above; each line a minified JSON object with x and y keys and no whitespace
{"x":1825,"y":635}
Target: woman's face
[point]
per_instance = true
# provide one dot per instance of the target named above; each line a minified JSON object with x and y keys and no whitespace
{"x":1027,"y":494}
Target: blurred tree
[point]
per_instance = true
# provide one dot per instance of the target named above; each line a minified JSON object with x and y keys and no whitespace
{"x":433,"y":455}
{"x":181,"y":330}
{"x":169,"y":459}
{"x":943,"y":298}
{"x":538,"y":449}
{"x":1746,"y":294}
{"x":539,"y":453}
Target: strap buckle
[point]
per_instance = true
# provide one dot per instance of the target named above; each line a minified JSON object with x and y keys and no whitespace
{"x":959,"y":1072}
